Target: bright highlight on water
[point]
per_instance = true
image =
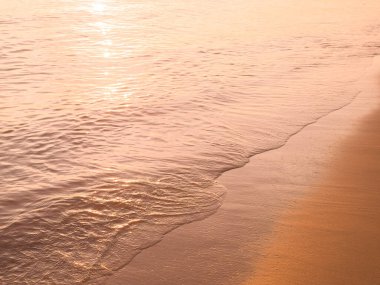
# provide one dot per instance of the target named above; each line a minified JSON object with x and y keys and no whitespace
{"x":117,"y":116}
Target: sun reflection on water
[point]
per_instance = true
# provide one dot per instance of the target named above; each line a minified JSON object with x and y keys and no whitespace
{"x":106,"y":54}
{"x":98,"y":7}
{"x":103,"y":27}
{"x":104,"y":44}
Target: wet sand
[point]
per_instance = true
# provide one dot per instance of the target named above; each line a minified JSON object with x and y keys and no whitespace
{"x":332,"y":236}
{"x":301,"y":214}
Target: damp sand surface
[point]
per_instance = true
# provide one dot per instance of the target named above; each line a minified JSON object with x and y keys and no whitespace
{"x":118,"y":117}
{"x":332,"y":236}
{"x":305,"y":213}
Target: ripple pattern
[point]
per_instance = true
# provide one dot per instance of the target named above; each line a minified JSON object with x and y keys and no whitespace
{"x":117,"y":116}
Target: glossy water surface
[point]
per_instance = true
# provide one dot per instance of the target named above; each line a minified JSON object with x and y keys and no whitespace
{"x":117,"y":115}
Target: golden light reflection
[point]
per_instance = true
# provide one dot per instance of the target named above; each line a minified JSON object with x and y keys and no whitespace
{"x":126,"y":95}
{"x":98,"y":7}
{"x":115,"y":92}
{"x":110,"y":90}
{"x":103,"y":27}
{"x":106,"y":47}
{"x":106,"y":42}
{"x":106,"y":54}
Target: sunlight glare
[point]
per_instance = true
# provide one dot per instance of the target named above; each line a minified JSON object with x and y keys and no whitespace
{"x":98,"y":7}
{"x":106,"y":54}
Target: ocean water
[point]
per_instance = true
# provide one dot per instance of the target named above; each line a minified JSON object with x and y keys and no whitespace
{"x":117,"y":116}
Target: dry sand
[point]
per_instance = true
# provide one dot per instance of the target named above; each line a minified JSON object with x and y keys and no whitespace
{"x":306,"y":213}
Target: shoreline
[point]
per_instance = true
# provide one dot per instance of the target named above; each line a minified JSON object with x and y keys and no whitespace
{"x":331,"y":237}
{"x":230,"y":246}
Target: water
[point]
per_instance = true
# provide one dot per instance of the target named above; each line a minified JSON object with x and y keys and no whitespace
{"x":117,"y":116}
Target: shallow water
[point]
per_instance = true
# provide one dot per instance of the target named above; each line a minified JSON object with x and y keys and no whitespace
{"x":117,"y":116}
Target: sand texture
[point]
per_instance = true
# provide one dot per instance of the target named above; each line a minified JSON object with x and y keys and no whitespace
{"x":332,"y":237}
{"x":305,"y":213}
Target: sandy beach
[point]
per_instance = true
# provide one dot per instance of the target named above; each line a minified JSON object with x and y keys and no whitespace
{"x":199,"y":142}
{"x":322,"y":223}
{"x":332,"y":236}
